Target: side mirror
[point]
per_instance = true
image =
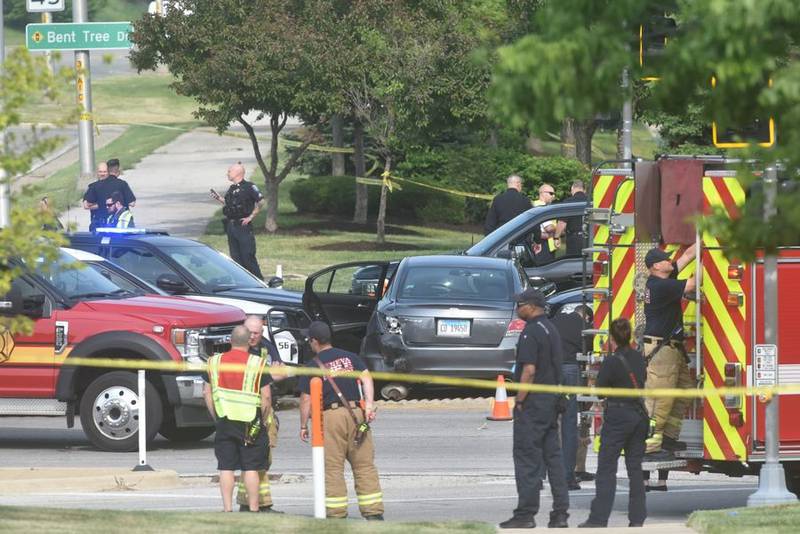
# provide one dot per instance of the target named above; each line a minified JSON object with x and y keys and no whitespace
{"x":505,"y":253}
{"x":33,"y":306}
{"x":7,"y":307}
{"x":171,"y":283}
{"x":275,"y":282}
{"x":545,"y":286}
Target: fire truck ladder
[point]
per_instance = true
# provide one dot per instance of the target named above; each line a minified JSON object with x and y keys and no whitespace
{"x":617,"y":224}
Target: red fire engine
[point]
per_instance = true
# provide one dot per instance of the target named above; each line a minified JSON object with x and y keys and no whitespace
{"x":724,"y":322}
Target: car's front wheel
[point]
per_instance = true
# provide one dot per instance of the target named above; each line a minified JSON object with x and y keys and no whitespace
{"x":109,"y":411}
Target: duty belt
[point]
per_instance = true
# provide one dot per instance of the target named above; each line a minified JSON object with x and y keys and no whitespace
{"x":334,"y":405}
{"x":652,"y":340}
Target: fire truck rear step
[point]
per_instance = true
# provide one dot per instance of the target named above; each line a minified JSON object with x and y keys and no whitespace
{"x":32,"y":407}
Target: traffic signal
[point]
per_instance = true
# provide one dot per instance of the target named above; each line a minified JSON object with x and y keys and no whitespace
{"x":654,"y":34}
{"x":757,"y":129}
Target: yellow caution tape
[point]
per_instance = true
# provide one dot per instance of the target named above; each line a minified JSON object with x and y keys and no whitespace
{"x":387,"y":180}
{"x":120,"y":363}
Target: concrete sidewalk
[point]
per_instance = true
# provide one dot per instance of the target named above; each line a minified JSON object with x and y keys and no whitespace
{"x":14,"y":481}
{"x":172,"y":184}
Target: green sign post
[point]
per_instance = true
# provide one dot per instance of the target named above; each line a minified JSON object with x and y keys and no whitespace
{"x":78,"y":36}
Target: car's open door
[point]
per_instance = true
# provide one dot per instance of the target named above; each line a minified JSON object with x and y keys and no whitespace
{"x":344,"y":296}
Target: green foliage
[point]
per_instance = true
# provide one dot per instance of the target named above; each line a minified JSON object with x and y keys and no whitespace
{"x":572,"y":65}
{"x":335,"y":195}
{"x":24,"y":239}
{"x":482,"y":169}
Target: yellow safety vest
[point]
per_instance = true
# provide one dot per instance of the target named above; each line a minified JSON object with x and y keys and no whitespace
{"x":551,"y":242}
{"x":237,"y":404}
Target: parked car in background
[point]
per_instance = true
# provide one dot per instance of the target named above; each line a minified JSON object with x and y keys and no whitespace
{"x":515,"y":238}
{"x":78,"y":312}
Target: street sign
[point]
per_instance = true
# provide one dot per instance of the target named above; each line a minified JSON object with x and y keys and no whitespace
{"x":78,"y":36}
{"x":766,"y":365}
{"x":45,"y":6}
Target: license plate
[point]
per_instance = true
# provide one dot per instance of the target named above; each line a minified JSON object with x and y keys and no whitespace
{"x":453,"y":328}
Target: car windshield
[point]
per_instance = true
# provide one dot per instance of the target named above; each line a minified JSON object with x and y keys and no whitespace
{"x":75,"y":281}
{"x":448,"y":283}
{"x":211,"y":268}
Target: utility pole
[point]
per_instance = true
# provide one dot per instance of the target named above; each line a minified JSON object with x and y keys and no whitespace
{"x":772,"y":479}
{"x":5,"y":189}
{"x":627,"y":119}
{"x":83,"y":84}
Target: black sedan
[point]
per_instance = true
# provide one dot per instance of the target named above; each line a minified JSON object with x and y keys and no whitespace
{"x":446,"y":315}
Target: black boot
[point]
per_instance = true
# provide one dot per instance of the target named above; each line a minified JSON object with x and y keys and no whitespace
{"x":558,"y":520}
{"x":518,"y":522}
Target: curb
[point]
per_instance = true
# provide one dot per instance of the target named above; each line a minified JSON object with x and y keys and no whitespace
{"x":59,"y":480}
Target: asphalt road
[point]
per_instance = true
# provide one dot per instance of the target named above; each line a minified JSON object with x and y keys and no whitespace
{"x":438,"y":460}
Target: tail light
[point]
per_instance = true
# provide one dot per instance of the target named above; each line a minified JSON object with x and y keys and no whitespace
{"x":600,"y":268}
{"x":733,"y":378}
{"x":735,"y":299}
{"x":515,"y":327}
{"x":735,"y":272}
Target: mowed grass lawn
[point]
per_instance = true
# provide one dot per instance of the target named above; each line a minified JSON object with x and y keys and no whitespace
{"x":762,"y":520}
{"x":125,"y":99}
{"x":296,"y":245}
{"x":135,"y":143}
{"x":72,"y":521}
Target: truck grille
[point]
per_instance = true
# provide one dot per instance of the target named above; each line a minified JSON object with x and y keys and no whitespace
{"x":216,"y":339}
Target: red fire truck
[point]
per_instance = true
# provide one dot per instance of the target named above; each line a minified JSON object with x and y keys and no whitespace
{"x":724,"y":322}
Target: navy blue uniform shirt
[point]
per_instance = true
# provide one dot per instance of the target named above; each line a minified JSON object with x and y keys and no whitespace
{"x":335,"y":360}
{"x":540,"y":344}
{"x":662,"y":305}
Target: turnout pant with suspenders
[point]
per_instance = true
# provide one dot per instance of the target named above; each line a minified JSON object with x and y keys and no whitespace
{"x":666,"y":368}
{"x":347,"y":437}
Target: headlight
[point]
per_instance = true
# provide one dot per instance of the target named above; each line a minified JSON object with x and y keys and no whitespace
{"x":186,"y":341}
{"x":569,"y":307}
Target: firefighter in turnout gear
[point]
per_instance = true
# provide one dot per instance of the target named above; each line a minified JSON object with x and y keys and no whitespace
{"x":347,"y":434}
{"x":667,"y":365}
{"x":264,"y":348}
{"x":236,"y":399}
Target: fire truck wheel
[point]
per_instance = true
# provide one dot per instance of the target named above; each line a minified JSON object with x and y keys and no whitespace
{"x":110,"y":413}
{"x":185,"y":434}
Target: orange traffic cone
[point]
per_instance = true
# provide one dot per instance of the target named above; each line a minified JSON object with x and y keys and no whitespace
{"x":500,"y":408}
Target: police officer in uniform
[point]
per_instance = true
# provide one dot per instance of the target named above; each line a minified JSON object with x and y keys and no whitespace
{"x":341,"y":418}
{"x":663,"y":347}
{"x":236,"y":400}
{"x":536,"y":444}
{"x":625,"y":427}
{"x":264,"y":348}
{"x":241,"y":204}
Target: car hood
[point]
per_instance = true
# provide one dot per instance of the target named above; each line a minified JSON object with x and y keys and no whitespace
{"x":265,"y":295}
{"x":248,"y":306}
{"x":188,"y":312}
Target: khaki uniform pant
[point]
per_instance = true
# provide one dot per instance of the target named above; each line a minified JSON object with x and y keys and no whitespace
{"x":339,"y":431}
{"x":264,"y":492}
{"x":667,"y":369}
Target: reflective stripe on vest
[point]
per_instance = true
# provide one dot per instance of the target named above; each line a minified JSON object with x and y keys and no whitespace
{"x":237,"y":404}
{"x":551,"y":242}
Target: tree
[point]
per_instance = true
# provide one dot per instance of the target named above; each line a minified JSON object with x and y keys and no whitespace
{"x":572,"y":67}
{"x":24,"y":79}
{"x":238,"y":58}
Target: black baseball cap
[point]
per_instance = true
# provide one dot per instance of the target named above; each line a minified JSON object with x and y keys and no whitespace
{"x":531,"y":296}
{"x":318,"y":330}
{"x":655,"y":255}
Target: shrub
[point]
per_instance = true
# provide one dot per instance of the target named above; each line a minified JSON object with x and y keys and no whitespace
{"x":483,"y":169}
{"x":335,"y":195}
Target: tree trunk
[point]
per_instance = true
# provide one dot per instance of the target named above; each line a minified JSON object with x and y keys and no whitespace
{"x":381,"y":236}
{"x":568,"y":142}
{"x":620,"y":143}
{"x":583,"y":133}
{"x":362,"y":193}
{"x":271,"y":196}
{"x":337,"y":129}
{"x":493,"y":140}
